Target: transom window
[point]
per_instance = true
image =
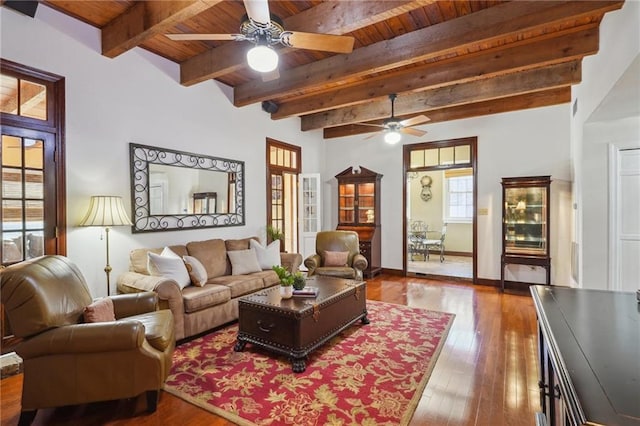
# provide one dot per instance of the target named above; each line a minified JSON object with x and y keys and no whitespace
{"x":23,"y":97}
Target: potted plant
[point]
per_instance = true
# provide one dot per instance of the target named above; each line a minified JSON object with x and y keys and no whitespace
{"x":286,"y":281}
{"x":274,"y":234}
{"x":298,"y":281}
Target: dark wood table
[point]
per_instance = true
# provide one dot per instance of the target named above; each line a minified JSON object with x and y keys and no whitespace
{"x":589,"y":347}
{"x":295,"y":327}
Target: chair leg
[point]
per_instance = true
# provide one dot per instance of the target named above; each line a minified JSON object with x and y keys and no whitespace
{"x":26,"y":417}
{"x":152,"y":400}
{"x":441,"y":253}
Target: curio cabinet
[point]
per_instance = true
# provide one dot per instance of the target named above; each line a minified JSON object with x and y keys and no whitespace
{"x":525,"y":223}
{"x":359,"y":211}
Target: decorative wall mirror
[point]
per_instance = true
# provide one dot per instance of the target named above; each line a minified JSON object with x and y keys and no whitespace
{"x":167,"y":190}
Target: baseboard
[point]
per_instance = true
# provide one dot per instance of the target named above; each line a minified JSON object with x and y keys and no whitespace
{"x":508,"y":285}
{"x":397,"y":272}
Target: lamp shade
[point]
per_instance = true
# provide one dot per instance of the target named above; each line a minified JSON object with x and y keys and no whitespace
{"x":105,"y":210}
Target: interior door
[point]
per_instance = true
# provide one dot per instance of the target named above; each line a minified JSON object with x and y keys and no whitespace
{"x":28,"y":194}
{"x":310,"y":214}
{"x":626,"y":250}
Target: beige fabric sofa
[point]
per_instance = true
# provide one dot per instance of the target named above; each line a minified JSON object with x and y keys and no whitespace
{"x":197,"y":309}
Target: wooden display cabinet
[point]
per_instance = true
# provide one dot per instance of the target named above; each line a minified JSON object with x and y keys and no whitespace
{"x":525,"y":223}
{"x":359,"y":211}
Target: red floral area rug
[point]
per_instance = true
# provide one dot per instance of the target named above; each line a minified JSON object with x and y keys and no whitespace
{"x":368,"y":375}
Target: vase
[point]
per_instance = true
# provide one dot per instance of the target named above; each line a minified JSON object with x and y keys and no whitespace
{"x":286,"y":291}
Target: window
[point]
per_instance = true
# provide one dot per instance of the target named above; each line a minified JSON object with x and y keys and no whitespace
{"x":458,"y":200}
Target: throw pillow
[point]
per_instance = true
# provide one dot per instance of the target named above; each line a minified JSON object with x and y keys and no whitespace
{"x":335,"y":258}
{"x":196,"y":270}
{"x":151,"y":267}
{"x":169,"y":267}
{"x":100,"y":310}
{"x":267,"y":256}
{"x":243,"y":262}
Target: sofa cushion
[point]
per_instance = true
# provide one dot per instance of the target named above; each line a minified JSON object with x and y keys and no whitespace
{"x":268,"y":256}
{"x":240,"y":284}
{"x":335,"y":258}
{"x":243,"y":262}
{"x":198,"y":298}
{"x":212,"y":254}
{"x":269,"y":278}
{"x":138,"y":257}
{"x":169,"y":266}
{"x":197,"y":271}
{"x":241,"y":244}
{"x":100,"y":310}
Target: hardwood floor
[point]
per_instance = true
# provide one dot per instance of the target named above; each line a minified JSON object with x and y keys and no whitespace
{"x":486,"y":374}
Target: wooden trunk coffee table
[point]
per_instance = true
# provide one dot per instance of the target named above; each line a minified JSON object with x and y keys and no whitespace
{"x":294,"y":327}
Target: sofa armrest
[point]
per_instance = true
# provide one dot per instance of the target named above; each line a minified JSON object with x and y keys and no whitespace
{"x":128,"y":305}
{"x":291,"y":261}
{"x":312,"y":262}
{"x":140,"y":282}
{"x":360,"y":262}
{"x":84,"y":338}
{"x":168,"y":291}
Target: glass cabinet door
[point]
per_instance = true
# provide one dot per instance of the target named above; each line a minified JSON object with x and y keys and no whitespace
{"x":525,"y":220}
{"x":347,"y":197}
{"x":366,"y":202}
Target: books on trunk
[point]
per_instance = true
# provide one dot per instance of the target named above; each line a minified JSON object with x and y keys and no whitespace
{"x":306,"y":292}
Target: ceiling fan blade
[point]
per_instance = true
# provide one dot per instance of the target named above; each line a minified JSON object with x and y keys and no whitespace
{"x":258,"y":11}
{"x":413,"y":121}
{"x":412,"y":131}
{"x":369,"y":124}
{"x":313,"y":41}
{"x":186,"y":37}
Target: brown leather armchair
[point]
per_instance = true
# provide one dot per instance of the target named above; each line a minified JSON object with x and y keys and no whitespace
{"x":68,"y":362}
{"x":328,"y":242}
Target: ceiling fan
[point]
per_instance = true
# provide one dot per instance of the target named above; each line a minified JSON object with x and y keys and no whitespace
{"x":393,"y":128}
{"x":265,"y":30}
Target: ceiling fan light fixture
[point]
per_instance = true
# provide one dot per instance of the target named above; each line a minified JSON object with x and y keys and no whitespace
{"x":392,"y":137}
{"x":262,"y":58}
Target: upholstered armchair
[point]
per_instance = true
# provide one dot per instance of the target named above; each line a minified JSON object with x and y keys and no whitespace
{"x":68,"y":361}
{"x":337,"y":255}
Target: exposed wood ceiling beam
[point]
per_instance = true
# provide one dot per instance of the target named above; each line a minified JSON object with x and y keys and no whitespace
{"x":506,"y":85}
{"x":531,"y":53}
{"x":492,"y":24}
{"x":328,"y":17}
{"x":512,"y":103}
{"x":145,"y":20}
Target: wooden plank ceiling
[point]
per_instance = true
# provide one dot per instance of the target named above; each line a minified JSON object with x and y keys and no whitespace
{"x":445,"y":59}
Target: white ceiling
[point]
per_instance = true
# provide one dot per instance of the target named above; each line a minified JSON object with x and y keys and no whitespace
{"x":624,"y":98}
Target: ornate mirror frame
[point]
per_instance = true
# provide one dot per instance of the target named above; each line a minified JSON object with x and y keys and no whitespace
{"x":141,"y":156}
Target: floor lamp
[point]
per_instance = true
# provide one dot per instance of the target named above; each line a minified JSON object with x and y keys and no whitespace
{"x":106,"y":211}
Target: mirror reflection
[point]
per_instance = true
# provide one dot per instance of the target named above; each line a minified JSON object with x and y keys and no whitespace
{"x":180,"y":190}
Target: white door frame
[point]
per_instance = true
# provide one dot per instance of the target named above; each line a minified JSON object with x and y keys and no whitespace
{"x":614,"y":212}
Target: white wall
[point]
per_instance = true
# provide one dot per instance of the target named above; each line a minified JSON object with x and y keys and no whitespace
{"x":137,"y":98}
{"x":523,"y":143}
{"x":619,"y":47}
